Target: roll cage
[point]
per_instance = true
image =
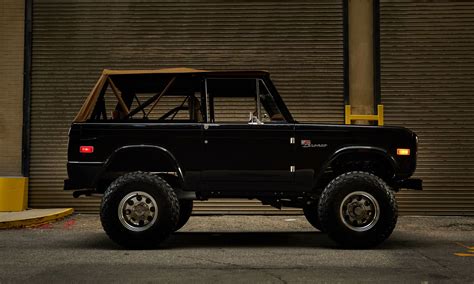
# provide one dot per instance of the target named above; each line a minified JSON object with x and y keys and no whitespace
{"x":191,"y":91}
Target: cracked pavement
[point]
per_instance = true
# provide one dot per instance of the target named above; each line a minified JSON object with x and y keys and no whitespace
{"x":240,"y":249}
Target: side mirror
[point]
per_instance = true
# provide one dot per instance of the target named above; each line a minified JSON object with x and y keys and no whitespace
{"x":253,"y":119}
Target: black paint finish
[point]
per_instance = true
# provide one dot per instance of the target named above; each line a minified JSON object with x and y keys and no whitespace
{"x":279,"y":159}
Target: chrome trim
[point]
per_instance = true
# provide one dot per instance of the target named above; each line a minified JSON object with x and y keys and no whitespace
{"x":207,"y":125}
{"x":208,"y":112}
{"x":81,"y":162}
{"x":257,"y":99}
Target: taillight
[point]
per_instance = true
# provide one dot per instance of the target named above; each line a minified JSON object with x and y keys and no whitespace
{"x":86,"y":149}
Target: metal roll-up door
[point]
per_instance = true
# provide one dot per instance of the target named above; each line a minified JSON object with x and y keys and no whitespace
{"x":427,"y":84}
{"x":300,"y":43}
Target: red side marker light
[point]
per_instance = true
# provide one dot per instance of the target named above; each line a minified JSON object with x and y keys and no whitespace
{"x":403,"y":152}
{"x":86,"y":149}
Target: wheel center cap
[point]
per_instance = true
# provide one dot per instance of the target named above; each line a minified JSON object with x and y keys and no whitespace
{"x":140,"y":209}
{"x":358,"y":211}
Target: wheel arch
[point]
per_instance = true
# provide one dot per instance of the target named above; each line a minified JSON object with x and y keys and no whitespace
{"x":148,"y":158}
{"x":341,"y":158}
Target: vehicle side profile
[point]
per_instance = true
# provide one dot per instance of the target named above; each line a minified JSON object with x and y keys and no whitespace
{"x":153,"y":141}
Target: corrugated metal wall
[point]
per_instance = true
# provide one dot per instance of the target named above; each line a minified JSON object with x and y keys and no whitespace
{"x":12,"y":25}
{"x":299,"y":42}
{"x":427,"y":82}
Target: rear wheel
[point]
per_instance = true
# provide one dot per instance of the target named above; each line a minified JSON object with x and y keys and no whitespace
{"x":185,"y":210}
{"x":358,"y":210}
{"x":139,"y":210}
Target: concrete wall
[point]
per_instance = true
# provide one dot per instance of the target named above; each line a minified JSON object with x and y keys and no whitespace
{"x":11,"y":85}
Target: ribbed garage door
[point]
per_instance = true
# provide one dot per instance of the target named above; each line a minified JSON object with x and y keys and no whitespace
{"x":427,"y":70}
{"x":299,"y":42}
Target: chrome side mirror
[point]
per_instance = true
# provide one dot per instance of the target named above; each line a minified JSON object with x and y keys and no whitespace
{"x":253,"y":119}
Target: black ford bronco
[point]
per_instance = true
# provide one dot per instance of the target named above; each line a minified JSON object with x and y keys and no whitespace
{"x":153,"y":141}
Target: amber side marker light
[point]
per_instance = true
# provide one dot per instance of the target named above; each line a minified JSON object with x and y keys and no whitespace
{"x":403,"y":152}
{"x":86,"y":149}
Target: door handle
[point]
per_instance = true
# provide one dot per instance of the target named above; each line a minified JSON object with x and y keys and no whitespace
{"x":88,"y":139}
{"x":207,"y":125}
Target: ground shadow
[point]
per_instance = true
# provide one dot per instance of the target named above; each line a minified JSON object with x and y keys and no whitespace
{"x":247,"y":239}
{"x":198,"y":240}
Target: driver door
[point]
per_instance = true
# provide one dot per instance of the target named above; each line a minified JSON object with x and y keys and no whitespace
{"x":242,"y":155}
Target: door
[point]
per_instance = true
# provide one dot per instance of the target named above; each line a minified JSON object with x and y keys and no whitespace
{"x":253,"y":150}
{"x":250,"y":157}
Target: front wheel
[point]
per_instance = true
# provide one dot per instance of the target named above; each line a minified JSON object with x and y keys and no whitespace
{"x":139,"y":210}
{"x":358,"y":210}
{"x":311,"y":213}
{"x":185,"y":210}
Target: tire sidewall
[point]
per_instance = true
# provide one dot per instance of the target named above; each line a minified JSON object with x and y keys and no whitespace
{"x":110,"y":216}
{"x":330,"y":210}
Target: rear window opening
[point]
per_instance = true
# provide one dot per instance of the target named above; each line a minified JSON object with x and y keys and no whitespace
{"x":149,"y":98}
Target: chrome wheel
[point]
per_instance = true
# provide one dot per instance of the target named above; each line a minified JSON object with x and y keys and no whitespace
{"x":138,"y":211}
{"x":359,"y":211}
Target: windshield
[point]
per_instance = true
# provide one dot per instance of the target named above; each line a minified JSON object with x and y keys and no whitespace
{"x":238,"y":100}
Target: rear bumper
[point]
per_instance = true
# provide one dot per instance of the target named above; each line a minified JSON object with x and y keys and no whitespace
{"x":70,"y":184}
{"x":82,"y":175}
{"x":411,"y":183}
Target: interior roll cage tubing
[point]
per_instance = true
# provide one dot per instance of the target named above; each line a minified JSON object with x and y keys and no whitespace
{"x":175,"y":110}
{"x":139,"y":104}
{"x":118,"y":95}
{"x":155,"y":99}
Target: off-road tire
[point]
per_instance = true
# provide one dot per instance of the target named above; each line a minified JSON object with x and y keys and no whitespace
{"x":185,"y":210}
{"x":312,"y":215}
{"x":334,"y":194}
{"x":167,"y":213}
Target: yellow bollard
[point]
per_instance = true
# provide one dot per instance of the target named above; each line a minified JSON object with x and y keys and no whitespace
{"x":13,"y":193}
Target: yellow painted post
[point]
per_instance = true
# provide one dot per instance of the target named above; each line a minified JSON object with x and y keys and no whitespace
{"x":13,"y":193}
{"x":380,"y":114}
{"x":348,"y":114}
{"x":349,"y":117}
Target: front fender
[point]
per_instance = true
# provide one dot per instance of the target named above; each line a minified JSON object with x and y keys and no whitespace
{"x":356,"y":150}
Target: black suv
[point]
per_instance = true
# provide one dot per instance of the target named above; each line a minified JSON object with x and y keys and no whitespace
{"x":152,"y":141}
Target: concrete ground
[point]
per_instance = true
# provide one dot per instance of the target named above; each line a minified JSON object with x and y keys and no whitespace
{"x":240,"y":249}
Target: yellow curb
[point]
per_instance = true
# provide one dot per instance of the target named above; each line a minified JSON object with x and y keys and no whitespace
{"x":464,"y":254}
{"x":35,"y":221}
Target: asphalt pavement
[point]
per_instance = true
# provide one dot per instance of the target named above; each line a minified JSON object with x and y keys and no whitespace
{"x":239,"y":249}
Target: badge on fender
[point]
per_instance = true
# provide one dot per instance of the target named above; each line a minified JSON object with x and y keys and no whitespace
{"x":307,"y":144}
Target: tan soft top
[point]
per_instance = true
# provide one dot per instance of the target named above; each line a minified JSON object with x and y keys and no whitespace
{"x":91,"y":100}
